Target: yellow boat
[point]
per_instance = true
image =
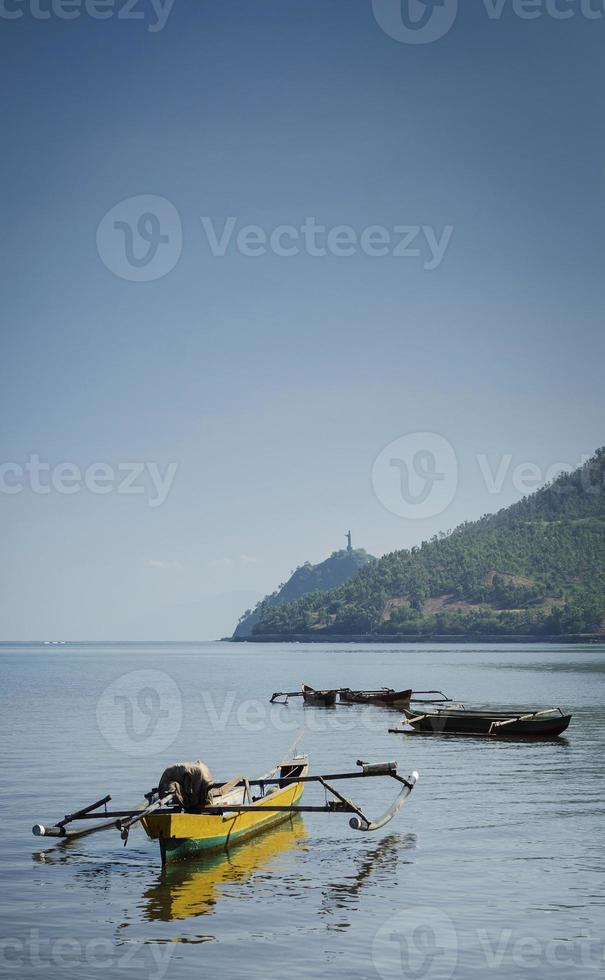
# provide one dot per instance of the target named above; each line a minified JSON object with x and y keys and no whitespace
{"x":183,"y":834}
{"x":191,"y":814}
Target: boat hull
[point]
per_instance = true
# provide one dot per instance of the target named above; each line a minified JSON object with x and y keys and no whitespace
{"x":183,"y":835}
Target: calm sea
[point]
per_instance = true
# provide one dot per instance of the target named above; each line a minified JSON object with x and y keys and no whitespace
{"x":493,"y":869}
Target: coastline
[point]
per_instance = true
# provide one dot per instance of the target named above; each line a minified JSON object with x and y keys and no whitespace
{"x":425,"y":638}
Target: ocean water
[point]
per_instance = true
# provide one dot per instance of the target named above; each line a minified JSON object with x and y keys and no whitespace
{"x":494,"y":868}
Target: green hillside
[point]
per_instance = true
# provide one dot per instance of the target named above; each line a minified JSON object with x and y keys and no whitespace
{"x":535,"y":568}
{"x":334,"y":571}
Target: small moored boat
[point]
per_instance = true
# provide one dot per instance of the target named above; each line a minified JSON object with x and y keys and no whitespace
{"x":545,"y":723}
{"x":310,"y":695}
{"x":191,"y":814}
{"x":231,"y":813}
{"x":386,"y":697}
{"x":325,"y":699}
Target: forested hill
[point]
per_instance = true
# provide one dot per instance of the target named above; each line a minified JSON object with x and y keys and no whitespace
{"x":535,"y":568}
{"x":334,"y":571}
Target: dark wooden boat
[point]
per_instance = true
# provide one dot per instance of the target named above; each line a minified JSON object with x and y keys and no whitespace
{"x":324,"y":699}
{"x":386,"y":697}
{"x":547,"y":723}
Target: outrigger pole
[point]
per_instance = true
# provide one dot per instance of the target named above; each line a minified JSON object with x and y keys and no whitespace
{"x":121,"y":824}
{"x":340,"y":803}
{"x":58,"y":830}
{"x":123,"y":820}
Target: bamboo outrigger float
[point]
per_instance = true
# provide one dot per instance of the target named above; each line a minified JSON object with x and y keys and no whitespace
{"x":228,"y":813}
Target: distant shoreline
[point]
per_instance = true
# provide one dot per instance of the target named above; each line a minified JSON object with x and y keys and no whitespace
{"x":406,"y":638}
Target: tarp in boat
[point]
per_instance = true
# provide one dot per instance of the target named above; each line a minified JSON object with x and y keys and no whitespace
{"x":189,"y":782}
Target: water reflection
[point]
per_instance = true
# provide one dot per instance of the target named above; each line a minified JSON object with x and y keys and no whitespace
{"x":193,"y":888}
{"x":71,"y":852}
{"x":377,"y":865}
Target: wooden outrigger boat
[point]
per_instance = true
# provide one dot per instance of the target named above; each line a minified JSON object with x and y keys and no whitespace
{"x":326,"y":699}
{"x":546,"y":723}
{"x":202,"y":817}
{"x":386,"y":697}
{"x":323,"y":699}
{"x":233,"y":814}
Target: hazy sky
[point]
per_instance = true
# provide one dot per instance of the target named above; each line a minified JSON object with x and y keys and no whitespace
{"x":272,"y":382}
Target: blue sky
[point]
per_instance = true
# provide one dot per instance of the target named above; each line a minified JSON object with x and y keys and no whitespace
{"x":272,"y":383}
